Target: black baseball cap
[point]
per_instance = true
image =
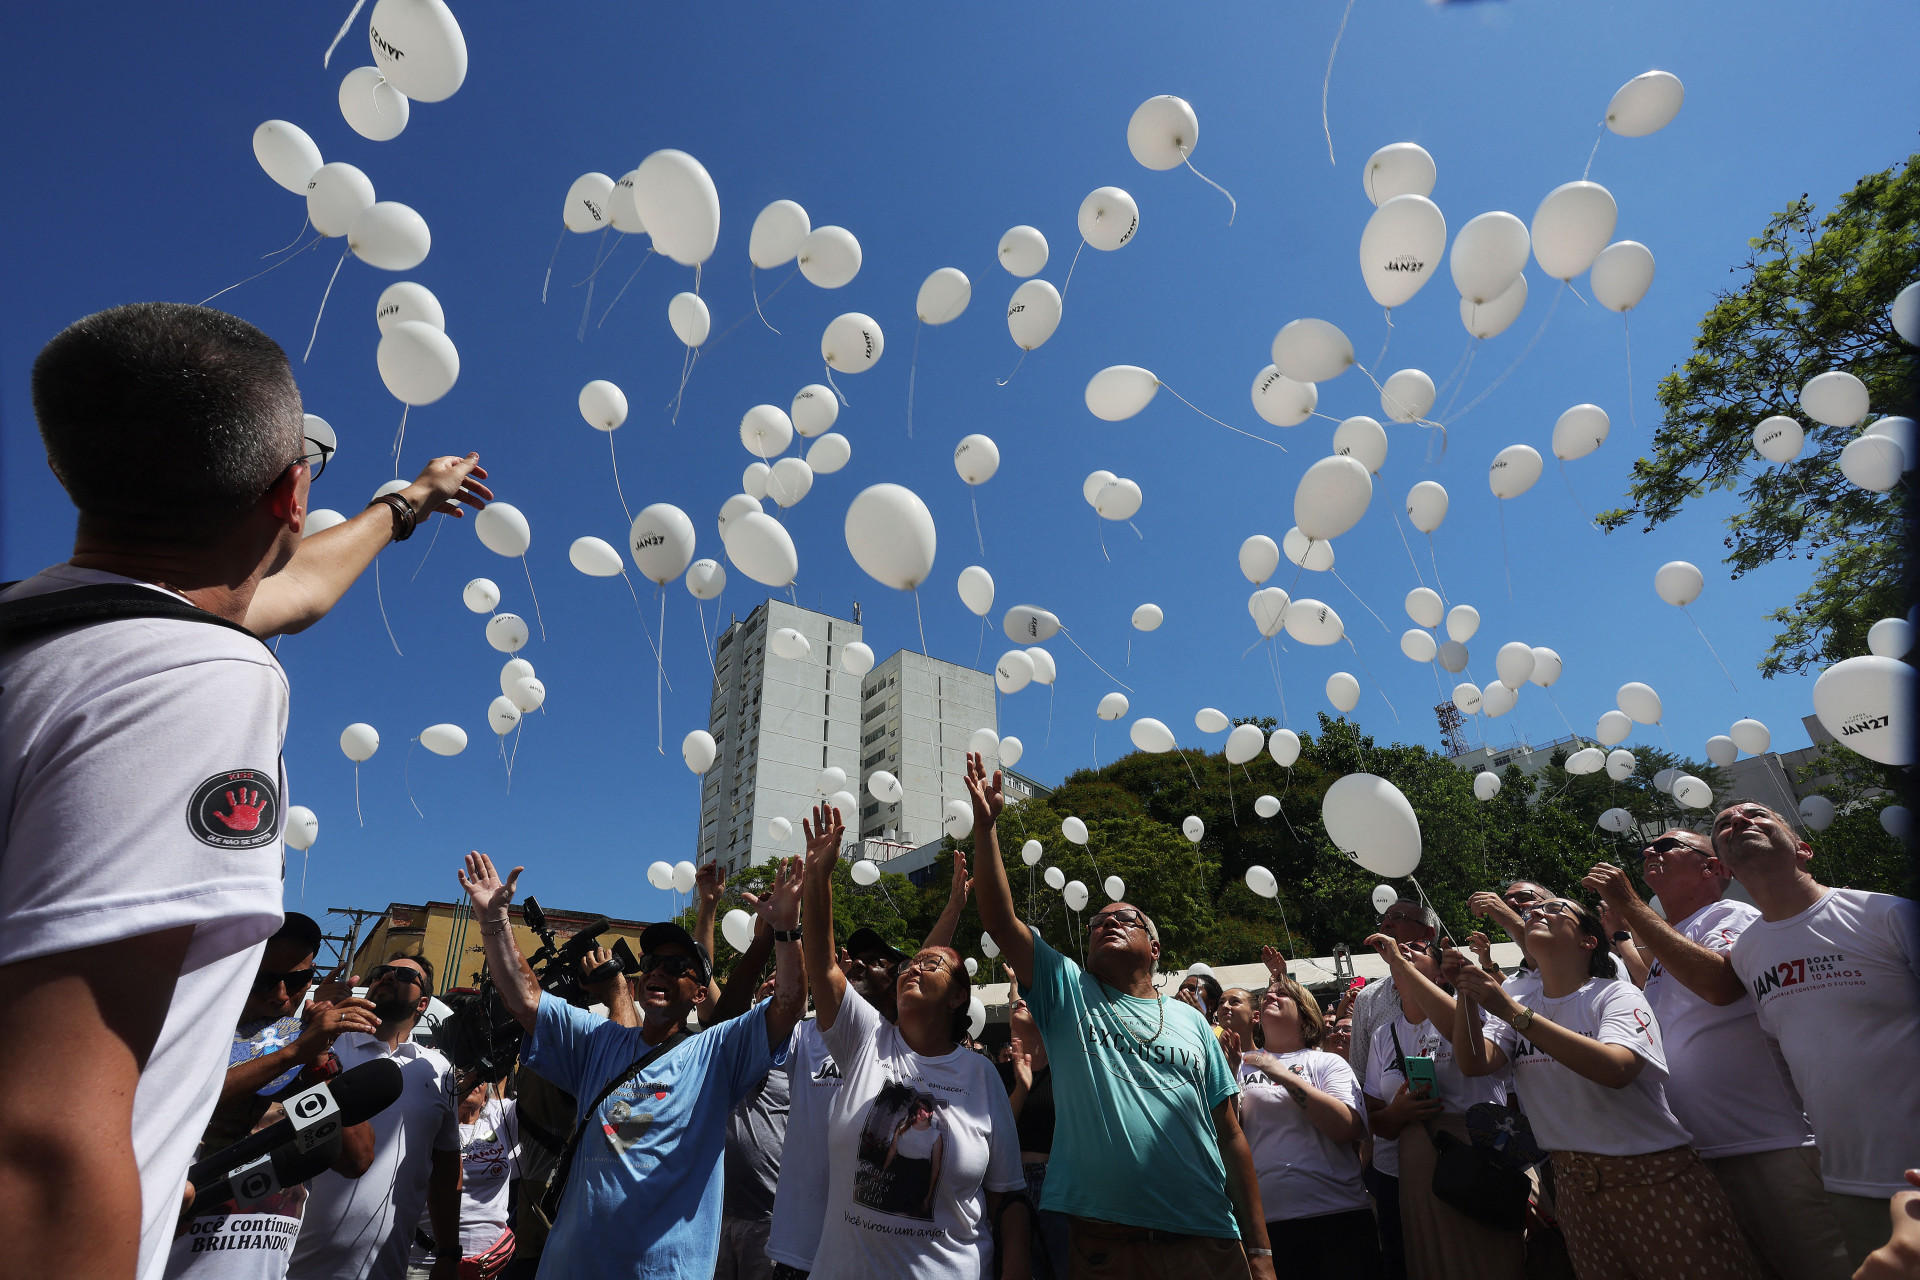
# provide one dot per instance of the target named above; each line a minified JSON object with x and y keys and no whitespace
{"x":863,"y":940}
{"x":666,"y":931}
{"x":302,"y":929}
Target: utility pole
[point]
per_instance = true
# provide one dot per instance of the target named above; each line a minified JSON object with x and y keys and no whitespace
{"x":349,"y":942}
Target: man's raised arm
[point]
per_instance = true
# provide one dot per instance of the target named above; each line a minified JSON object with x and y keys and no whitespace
{"x":519,"y":992}
{"x":1013,"y":937}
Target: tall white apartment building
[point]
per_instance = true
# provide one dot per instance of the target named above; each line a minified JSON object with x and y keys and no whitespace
{"x":916,"y":717}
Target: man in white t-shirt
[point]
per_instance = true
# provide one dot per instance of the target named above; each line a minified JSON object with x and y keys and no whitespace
{"x":362,"y":1229}
{"x":1836,"y":976}
{"x":141,"y":790}
{"x":1726,"y":1081}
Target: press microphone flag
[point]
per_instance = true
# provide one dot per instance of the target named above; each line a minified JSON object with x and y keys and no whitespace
{"x":315,"y":1116}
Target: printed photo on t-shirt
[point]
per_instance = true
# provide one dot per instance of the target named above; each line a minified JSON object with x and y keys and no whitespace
{"x":902,"y":1147}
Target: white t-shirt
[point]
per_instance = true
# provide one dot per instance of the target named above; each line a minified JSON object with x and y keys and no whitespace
{"x":1380,"y":1061}
{"x":1839,"y":987}
{"x":489,"y":1159}
{"x":1572,"y":1113}
{"x":1457,"y":1093}
{"x":1726,"y":1080}
{"x":800,"y":1199}
{"x":362,"y":1228}
{"x":1524,"y":979}
{"x":1303,"y":1173}
{"x":913,"y":1145}
{"x":120,"y":743}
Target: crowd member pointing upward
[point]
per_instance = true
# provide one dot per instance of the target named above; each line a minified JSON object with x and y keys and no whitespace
{"x":1148,"y":1156}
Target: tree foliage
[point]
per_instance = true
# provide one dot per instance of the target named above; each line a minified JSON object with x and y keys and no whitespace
{"x":1817,"y":295}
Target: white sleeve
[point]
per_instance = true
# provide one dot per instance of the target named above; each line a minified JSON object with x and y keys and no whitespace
{"x":1337,"y":1078}
{"x":1004,"y":1170}
{"x":1903,"y":931}
{"x":147,"y":805}
{"x":1627,"y":1019}
{"x":854,"y":1030}
{"x":1501,"y":1035}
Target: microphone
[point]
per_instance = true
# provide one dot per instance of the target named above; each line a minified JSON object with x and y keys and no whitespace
{"x":285,"y":1166}
{"x":313,"y":1117}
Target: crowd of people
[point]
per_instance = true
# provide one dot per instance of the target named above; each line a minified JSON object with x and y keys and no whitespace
{"x":1722,"y":1087}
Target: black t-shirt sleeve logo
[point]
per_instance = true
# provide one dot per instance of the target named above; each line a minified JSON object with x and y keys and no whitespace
{"x":239,"y":809}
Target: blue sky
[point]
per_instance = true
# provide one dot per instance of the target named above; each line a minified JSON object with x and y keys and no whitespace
{"x":927,"y":132}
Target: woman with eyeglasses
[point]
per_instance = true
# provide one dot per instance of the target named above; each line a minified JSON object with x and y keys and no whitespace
{"x":921,"y":1141}
{"x":1633,"y":1197}
{"x":1305,"y":1117}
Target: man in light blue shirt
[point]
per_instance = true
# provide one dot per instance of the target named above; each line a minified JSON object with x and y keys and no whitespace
{"x":643,"y":1190}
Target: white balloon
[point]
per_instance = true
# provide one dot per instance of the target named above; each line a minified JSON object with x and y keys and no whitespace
{"x":830,"y":257}
{"x":1112,"y":706}
{"x":1407,"y":395}
{"x":685,"y":875}
{"x":389,"y":235}
{"x":417,"y":362}
{"x":1514,"y":663}
{"x":1866,"y":703}
{"x":884,"y":787}
{"x":1244,"y":743}
{"x":1645,"y":104}
{"x":1266,"y":806}
{"x":1343,"y":691}
{"x":1425,"y":606}
{"x":1282,"y":401}
{"x":622,"y":212}
{"x":1546,"y":666}
{"x":832,"y":780}
{"x":973,"y":967}
{"x":856,"y":659}
{"x":1579,"y":431}
{"x":891,"y":535}
{"x":766,"y":430}
{"x":989,"y":946}
{"x":1640,"y":702}
{"x":1497,"y":699}
{"x":1571,"y":227}
{"x":738,"y":505}
{"x":1906,"y":303}
{"x":761,"y":548}
{"x":1586,"y":760}
{"x":976,"y":1014}
{"x":1011,"y":749}
{"x":1314,"y":556}
{"x":1119,"y":391}
{"x":1836,"y":398}
{"x":676,"y":200}
{"x":1023,"y":250}
{"x":1075,"y":894}
{"x":1259,"y":879}
{"x":1259,"y":557}
{"x":373,"y":108}
{"x":754,"y":481}
{"x":512,"y":672}
{"x":785,"y":642}
{"x":1013,"y":672}
{"x":943,"y":296}
{"x":507,"y":632}
{"x":1284,"y":747}
{"x":527,"y":694}
{"x":1692,"y":792}
{"x":1488,"y":253}
{"x":688,"y":317}
{"x":502,"y":715}
{"x":1150,"y":735}
{"x":778,"y":231}
{"x":1268,"y":606}
{"x":1108,"y":218}
{"x":852,"y":342}
{"x":1403,"y":240}
{"x":320,"y":520}
{"x":1096,"y":481}
{"x":1485,"y":786}
{"x":1031,"y":852}
{"x":984,"y":743}
{"x":603,"y":405}
{"x":1778,"y":439}
{"x":1118,"y":499}
{"x":1364,"y":440}
{"x":418,"y":46}
{"x":1331,"y":497}
{"x":359,"y":741}
{"x":1162,"y":132}
{"x":1043,"y":668}
{"x":1311,"y":351}
{"x":1033,"y":314}
{"x":1427,"y":504}
{"x":661,"y":542}
{"x":1418,"y":645}
{"x":976,"y":458}
{"x":1466,"y":696}
{"x":1678,"y":583}
{"x":1897,"y":821}
{"x":1315,"y":623}
{"x":1463,"y":622}
{"x":1904,"y":432}
{"x":1890,"y":638}
{"x":1514,"y":470}
{"x":287,"y":154}
{"x":829,"y":453}
{"x":1367,"y":817}
{"x":303,"y":828}
{"x":1148,"y":617}
{"x":1622,"y":274}
{"x":444,"y":739}
{"x":1616,"y":820}
{"x":1026,"y":624}
{"x":1074,"y":830}
{"x":976,"y":590}
{"x":1193,"y":829}
{"x":1874,"y":463}
{"x":589,"y":203}
{"x":814,"y":411}
{"x":336,"y":195}
{"x":788,"y":481}
{"x":1491,"y":319}
{"x":1452,"y":657}
{"x":406,"y":300}
{"x":1621,"y":764}
{"x":1115,"y":888}
{"x":660,"y":875}
{"x":1398,"y":169}
{"x":1817,"y":812}
{"x":698,"y":750}
{"x":1721,"y":750}
{"x":1614,"y":727}
{"x":737,"y":925}
{"x":595,"y":557}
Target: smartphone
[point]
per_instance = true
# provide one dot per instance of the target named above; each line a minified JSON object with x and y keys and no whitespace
{"x":1420,"y":1072}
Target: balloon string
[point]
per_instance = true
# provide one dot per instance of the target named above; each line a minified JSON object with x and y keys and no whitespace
{"x":1049,"y":741}
{"x":1363,"y":604}
{"x":913,"y":368}
{"x":1437,"y":689}
{"x":1710,"y":648}
{"x":340,"y":35}
{"x":623,"y":288}
{"x":1387,"y":342}
{"x":981,"y":646}
{"x":1196,"y":781}
{"x":1596,"y":151}
{"x":1435,"y":560}
{"x":586,"y":310}
{"x":1626,"y":332}
{"x":1506,"y":561}
{"x":515,"y":757}
{"x":1376,"y":684}
{"x":1576,"y":497}
{"x":438,"y":525}
{"x":1556,"y":707}
{"x":305,"y":860}
{"x":1416,"y":419}
{"x":356,"y":794}
{"x":1210,"y":418}
{"x":753,"y":284}
{"x":1473,"y":349}
{"x":660,"y":674}
{"x":1273,"y":664}
{"x":644,"y":629}
{"x":256,"y":275}
{"x":305,"y":222}
{"x":686,"y":371}
{"x":973,"y":499}
{"x":1100,"y":528}
{"x":836,"y":386}
{"x":550,"y":261}
{"x":1136,"y":531}
{"x":1233,"y":205}
{"x":525,"y":568}
{"x":614,"y":458}
{"x":706,"y":643}
{"x":1459,"y":364}
{"x":1096,"y":666}
{"x":1070,"y":266}
{"x":380,"y":596}
{"x":1328,"y":82}
{"x":1531,"y":342}
{"x":323,"y":302}
{"x":1016,"y":367}
{"x":599,"y":259}
{"x":400,"y":438}
{"x":923,"y":623}
{"x":406,"y":776}
{"x":1409,"y":546}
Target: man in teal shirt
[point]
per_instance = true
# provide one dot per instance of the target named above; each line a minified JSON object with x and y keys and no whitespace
{"x":1148,"y":1156}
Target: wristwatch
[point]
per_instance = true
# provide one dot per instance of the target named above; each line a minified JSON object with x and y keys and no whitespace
{"x":1522,"y":1020}
{"x":1622,"y":936}
{"x":787,"y":935}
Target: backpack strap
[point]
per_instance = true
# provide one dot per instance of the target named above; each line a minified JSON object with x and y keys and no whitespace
{"x":550,"y":1203}
{"x":22,"y":620}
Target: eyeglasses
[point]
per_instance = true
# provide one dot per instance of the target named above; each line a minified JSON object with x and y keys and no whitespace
{"x":1668,"y":844}
{"x":297,"y":980}
{"x":927,"y":964}
{"x":672,"y":966}
{"x":1551,"y":908}
{"x":1126,"y":918}
{"x":1402,"y":917}
{"x":403,"y":972}
{"x":317,"y":455}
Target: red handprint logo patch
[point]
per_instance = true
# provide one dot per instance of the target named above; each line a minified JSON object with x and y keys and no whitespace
{"x":238,"y":809}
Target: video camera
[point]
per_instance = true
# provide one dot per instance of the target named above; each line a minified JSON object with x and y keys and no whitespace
{"x":482,"y":1038}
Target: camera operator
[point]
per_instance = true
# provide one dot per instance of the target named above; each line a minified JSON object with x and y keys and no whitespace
{"x":641,"y":1189}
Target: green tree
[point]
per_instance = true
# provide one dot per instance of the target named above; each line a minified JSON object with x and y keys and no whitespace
{"x":1817,"y":296}
{"x":1856,"y":851}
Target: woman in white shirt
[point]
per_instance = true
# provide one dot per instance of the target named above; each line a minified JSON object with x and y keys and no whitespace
{"x":489,"y":1161}
{"x":1633,"y":1197}
{"x":1303,"y":1114}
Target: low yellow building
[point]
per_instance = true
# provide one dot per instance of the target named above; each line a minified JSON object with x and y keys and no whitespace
{"x":447,"y":937}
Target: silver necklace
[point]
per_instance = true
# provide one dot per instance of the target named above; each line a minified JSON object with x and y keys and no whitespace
{"x":1160,"y":1003}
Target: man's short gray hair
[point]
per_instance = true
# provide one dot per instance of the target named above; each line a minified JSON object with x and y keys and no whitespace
{"x":1428,"y":916}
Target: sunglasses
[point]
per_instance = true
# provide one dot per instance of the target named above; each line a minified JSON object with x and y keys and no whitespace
{"x":317,"y":456}
{"x":1665,"y":845}
{"x":297,"y":980}
{"x":402,"y":972}
{"x":1126,"y":918}
{"x":672,"y":966}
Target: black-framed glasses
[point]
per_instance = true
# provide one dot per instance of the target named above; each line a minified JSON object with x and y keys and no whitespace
{"x":1126,"y":918}
{"x":1403,"y":917}
{"x":1551,"y":908}
{"x":318,"y":453}
{"x":672,"y":966}
{"x":405,"y":973}
{"x":926,"y":964}
{"x":297,"y":980}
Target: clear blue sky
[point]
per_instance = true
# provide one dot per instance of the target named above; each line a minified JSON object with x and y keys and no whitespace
{"x":928,"y":131}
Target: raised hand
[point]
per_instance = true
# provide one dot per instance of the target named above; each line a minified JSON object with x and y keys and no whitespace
{"x":331,"y":990}
{"x":1490,"y":906}
{"x":1388,"y":949}
{"x":709,"y":882}
{"x":1613,"y":885}
{"x":825,"y":834}
{"x":988,"y":797}
{"x":962,"y":882}
{"x":1022,"y":1069}
{"x":780,"y":907}
{"x":325,"y":1021}
{"x":1482,"y":948}
{"x":490,"y":894}
{"x":1230,"y":1045}
{"x":594,"y":960}
{"x":246,"y":811}
{"x":1452,"y":965}
{"x":446,"y":483}
{"x":1275,"y":960}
